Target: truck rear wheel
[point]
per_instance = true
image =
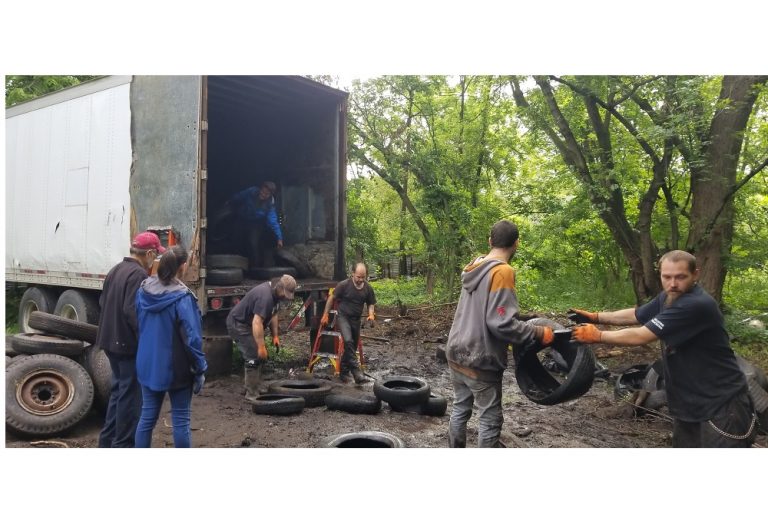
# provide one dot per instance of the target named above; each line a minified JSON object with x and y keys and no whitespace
{"x":78,"y":306}
{"x":34,"y":299}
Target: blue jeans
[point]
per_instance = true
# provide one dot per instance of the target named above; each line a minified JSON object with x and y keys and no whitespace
{"x":181,"y":413}
{"x":124,"y":405}
{"x":487,"y":397}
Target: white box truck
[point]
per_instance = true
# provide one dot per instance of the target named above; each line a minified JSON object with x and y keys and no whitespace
{"x":90,"y":166}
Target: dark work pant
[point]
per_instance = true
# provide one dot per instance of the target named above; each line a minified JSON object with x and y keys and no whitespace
{"x":734,"y":418}
{"x":350,"y":330}
{"x":181,"y":415}
{"x":261,"y":245}
{"x":124,"y":406}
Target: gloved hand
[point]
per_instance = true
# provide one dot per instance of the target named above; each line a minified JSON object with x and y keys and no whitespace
{"x":262,"y":351}
{"x":324,"y":320}
{"x":197,"y":385}
{"x":587,"y":333}
{"x":545,"y":335}
{"x":580,"y":316}
{"x":276,"y":343}
{"x":371,"y":320}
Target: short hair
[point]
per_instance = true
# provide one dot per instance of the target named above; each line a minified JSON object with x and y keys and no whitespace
{"x":285,"y":282}
{"x":504,"y":234}
{"x":679,"y":255}
{"x":170,"y":262}
{"x":357,"y":265}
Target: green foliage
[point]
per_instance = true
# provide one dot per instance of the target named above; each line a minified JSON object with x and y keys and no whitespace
{"x":406,"y":291}
{"x":19,"y":88}
{"x":12,"y":300}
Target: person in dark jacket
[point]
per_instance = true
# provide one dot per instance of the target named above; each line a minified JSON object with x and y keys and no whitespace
{"x":255,"y":206}
{"x":117,"y":336}
{"x":170,"y":358}
{"x":707,"y":392}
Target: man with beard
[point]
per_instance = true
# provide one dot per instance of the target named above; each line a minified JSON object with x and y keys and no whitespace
{"x":706,"y":391}
{"x":246,"y":323}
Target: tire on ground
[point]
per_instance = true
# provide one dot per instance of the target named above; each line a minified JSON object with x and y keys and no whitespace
{"x":79,"y":306}
{"x":314,"y":391}
{"x":435,"y":406}
{"x":277,"y":404}
{"x":224,"y":276}
{"x":32,"y":344}
{"x":35,"y":299}
{"x":363,"y":439}
{"x":540,"y":386}
{"x":353,"y":403}
{"x":57,"y":325}
{"x":96,"y":363}
{"x":227,"y":261}
{"x":46,"y":395}
{"x":401,"y":390}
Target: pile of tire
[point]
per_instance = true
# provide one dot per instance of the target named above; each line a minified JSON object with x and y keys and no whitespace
{"x":225,"y":269}
{"x":642,"y":385}
{"x":408,"y":394}
{"x":55,"y":374}
{"x":288,"y":397}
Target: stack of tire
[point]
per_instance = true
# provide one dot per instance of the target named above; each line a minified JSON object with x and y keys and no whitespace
{"x":408,"y":394}
{"x":287,"y":397}
{"x":225,"y":269}
{"x":57,"y":373}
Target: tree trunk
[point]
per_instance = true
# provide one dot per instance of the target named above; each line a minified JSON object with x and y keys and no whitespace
{"x":714,"y":182}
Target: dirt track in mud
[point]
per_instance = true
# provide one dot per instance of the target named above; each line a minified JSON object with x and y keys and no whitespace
{"x":221,"y":418}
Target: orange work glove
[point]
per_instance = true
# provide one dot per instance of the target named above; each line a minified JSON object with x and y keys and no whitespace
{"x":276,"y":343}
{"x":263,"y":351}
{"x":587,"y":333}
{"x":580,"y":316}
{"x":545,"y":335}
{"x":324,"y":320}
{"x":371,"y":320}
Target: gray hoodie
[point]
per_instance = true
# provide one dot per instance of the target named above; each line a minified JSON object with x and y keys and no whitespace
{"x":485,"y":322}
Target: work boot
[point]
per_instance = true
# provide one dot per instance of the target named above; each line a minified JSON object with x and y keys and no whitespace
{"x":251,"y":382}
{"x":345,"y":377}
{"x":359,"y":377}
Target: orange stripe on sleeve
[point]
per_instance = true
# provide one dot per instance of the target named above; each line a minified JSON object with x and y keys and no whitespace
{"x":502,"y":277}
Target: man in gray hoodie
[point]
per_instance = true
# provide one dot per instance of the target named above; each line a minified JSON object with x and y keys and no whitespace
{"x":484,"y":325}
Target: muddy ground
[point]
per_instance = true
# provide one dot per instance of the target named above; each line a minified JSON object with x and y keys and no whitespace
{"x":221,"y":418}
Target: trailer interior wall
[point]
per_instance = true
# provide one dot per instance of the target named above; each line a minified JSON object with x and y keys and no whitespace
{"x":67,"y":198}
{"x":286,"y":130}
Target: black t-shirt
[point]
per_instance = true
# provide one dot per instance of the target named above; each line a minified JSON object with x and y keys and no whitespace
{"x":700,"y":369}
{"x":259,"y":300}
{"x":351,"y":300}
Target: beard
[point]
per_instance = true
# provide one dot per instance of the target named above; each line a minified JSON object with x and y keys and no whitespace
{"x":670,"y":298}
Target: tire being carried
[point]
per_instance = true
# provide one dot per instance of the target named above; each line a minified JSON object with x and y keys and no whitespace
{"x":46,"y":395}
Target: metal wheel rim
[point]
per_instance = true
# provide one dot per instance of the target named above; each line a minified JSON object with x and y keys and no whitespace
{"x":44,"y":392}
{"x":26,"y":312}
{"x":69,"y":312}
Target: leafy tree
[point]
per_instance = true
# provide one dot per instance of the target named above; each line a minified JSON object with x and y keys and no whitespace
{"x":19,"y":88}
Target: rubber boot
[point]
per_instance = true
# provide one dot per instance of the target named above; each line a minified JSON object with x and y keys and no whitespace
{"x":359,"y":377}
{"x":252,"y":380}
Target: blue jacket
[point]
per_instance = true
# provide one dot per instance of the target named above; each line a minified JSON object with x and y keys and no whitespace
{"x":170,"y":335}
{"x":251,"y":208}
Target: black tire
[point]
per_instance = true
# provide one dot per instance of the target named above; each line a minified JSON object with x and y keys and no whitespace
{"x":221,"y":261}
{"x":354,"y":403}
{"x":287,"y":258}
{"x":46,"y":395}
{"x":630,"y":381}
{"x":56,"y":325}
{"x":78,"y":305}
{"x":363,"y":439}
{"x":401,"y":390}
{"x":656,"y":399}
{"x":314,"y":391}
{"x":435,"y":406}
{"x":224,"y":276}
{"x":538,"y":385}
{"x":9,"y":346}
{"x":272,"y":272}
{"x":35,"y":299}
{"x":32,"y":344}
{"x":277,"y":404}
{"x":96,"y":363}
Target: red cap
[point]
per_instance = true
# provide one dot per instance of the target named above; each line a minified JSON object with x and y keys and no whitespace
{"x":147,"y":241}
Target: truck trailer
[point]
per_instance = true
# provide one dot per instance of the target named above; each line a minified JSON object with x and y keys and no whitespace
{"x":89,"y":167}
